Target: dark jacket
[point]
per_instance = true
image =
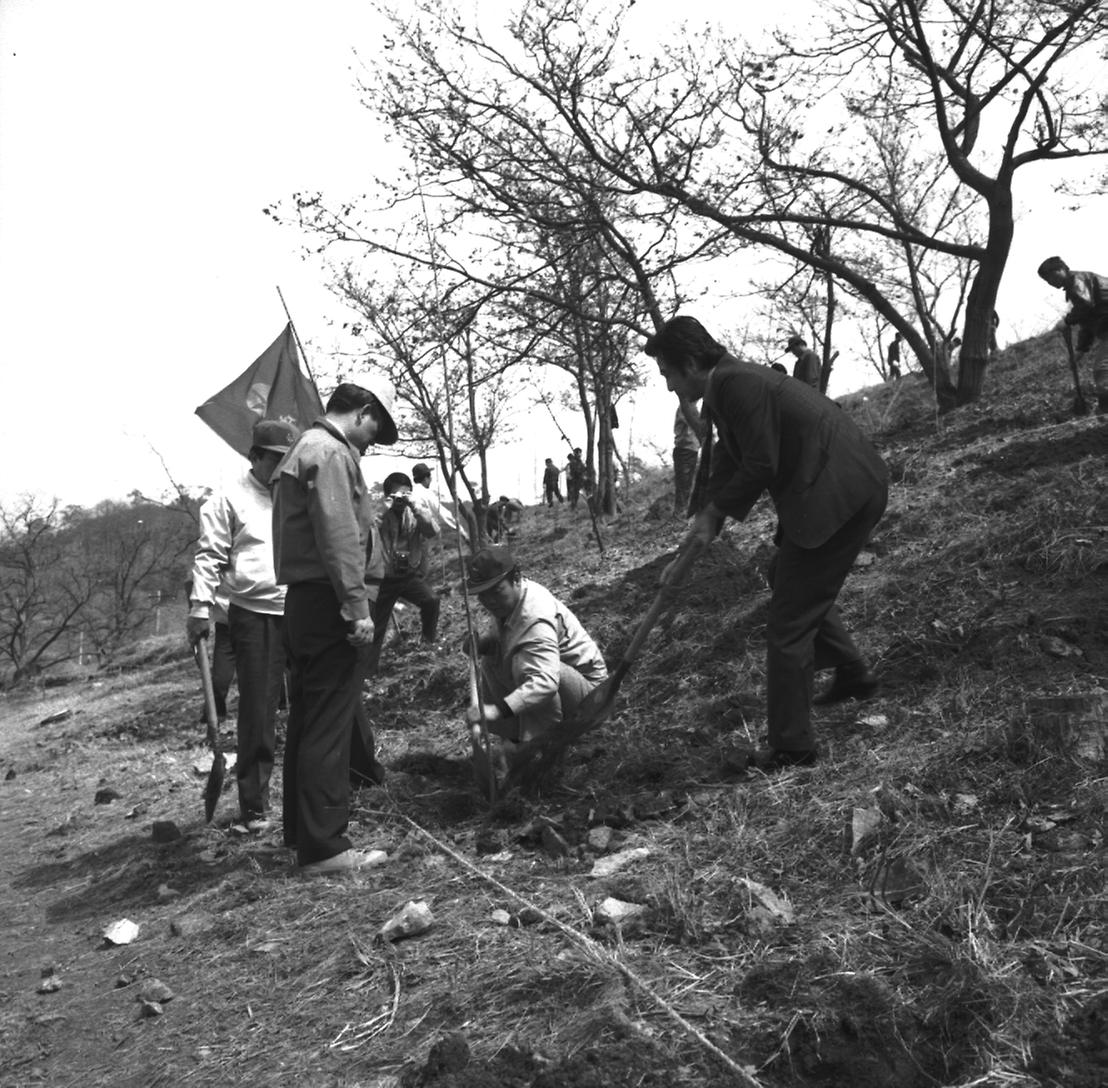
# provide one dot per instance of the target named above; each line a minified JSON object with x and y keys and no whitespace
{"x":775,"y":434}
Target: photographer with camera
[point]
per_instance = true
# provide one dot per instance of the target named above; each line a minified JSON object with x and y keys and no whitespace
{"x":403,"y":528}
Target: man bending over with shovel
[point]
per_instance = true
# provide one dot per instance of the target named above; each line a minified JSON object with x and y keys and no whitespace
{"x":537,"y":663}
{"x":829,"y":486}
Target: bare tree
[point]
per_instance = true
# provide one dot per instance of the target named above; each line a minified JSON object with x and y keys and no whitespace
{"x":719,"y":136}
{"x":39,"y":605}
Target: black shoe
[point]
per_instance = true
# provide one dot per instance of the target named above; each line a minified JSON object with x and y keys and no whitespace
{"x":771,"y":760}
{"x":849,"y":683}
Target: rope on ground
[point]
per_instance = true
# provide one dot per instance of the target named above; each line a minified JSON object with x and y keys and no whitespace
{"x":591,"y":947}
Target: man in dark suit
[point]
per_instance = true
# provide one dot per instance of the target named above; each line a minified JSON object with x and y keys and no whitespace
{"x":829,"y":486}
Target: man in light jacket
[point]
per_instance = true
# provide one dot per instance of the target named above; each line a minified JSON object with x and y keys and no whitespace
{"x":236,"y":549}
{"x":537,"y":662}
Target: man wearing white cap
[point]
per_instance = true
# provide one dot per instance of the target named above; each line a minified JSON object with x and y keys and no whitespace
{"x":322,"y":519}
{"x":235,"y":553}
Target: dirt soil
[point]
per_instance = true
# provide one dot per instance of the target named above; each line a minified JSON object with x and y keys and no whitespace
{"x":926,"y":906}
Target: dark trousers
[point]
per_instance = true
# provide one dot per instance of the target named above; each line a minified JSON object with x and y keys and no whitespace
{"x":223,"y":667}
{"x":684,"y":472}
{"x":805,"y":632}
{"x":327,"y":675}
{"x":552,"y":492}
{"x":413,"y":589}
{"x":259,"y":654}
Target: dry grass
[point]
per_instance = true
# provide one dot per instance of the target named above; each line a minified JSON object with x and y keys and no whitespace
{"x":963,"y":940}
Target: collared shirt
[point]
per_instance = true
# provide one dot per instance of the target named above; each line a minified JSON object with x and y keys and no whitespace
{"x":234,"y":555}
{"x":541,"y":634}
{"x":323,"y":518}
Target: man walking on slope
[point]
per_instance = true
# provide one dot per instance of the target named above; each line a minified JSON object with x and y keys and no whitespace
{"x":829,"y":486}
{"x":1087,"y":294}
{"x":235,"y":549}
{"x":808,"y":365}
{"x":323,"y":519}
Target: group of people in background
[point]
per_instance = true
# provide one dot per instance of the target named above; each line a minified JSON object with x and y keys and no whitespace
{"x":577,"y":480}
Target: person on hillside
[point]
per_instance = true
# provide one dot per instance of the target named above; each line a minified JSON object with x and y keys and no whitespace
{"x":688,"y":430}
{"x":892,"y":361}
{"x":829,"y":486}
{"x":575,"y":477}
{"x":404,"y":530}
{"x":424,"y":499}
{"x":235,"y":550}
{"x":808,"y":365}
{"x":550,"y":488}
{"x":323,"y":530}
{"x":537,"y":662}
{"x":503,"y":519}
{"x":1087,"y":294}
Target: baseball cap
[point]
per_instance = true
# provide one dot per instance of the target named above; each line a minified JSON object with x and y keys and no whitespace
{"x":488,"y":567}
{"x":385,"y":392}
{"x":274,"y":434}
{"x":420,"y":471}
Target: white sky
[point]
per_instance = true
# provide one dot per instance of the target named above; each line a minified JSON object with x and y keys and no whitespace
{"x":139,"y":143}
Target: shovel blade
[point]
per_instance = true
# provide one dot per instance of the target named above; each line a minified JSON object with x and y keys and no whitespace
{"x":214,"y":786}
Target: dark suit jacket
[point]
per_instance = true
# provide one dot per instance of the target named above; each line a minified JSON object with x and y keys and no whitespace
{"x":776,"y":434}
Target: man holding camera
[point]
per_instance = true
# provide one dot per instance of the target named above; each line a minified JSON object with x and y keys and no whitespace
{"x":403,"y":529}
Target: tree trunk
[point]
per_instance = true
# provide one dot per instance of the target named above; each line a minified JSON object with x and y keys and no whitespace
{"x":981,"y":303}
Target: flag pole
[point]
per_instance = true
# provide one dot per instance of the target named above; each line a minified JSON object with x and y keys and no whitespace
{"x":296,"y":336}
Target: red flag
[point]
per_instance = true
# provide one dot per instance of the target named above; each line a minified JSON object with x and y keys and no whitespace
{"x":272,"y":387}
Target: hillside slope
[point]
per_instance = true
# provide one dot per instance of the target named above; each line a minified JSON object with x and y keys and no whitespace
{"x":926,"y":906}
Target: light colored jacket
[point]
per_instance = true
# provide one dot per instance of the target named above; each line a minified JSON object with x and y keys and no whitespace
{"x":323,"y":518}
{"x":542,"y":633}
{"x":236,"y":549}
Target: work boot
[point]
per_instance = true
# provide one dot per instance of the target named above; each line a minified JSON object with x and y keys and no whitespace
{"x":854,"y":681}
{"x":771,"y":760}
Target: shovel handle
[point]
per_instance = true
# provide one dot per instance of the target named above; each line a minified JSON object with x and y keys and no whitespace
{"x":210,"y":712}
{"x":687,"y":555}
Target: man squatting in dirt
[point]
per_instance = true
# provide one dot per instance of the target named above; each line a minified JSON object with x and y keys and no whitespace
{"x":829,"y":487}
{"x":235,"y":549}
{"x":537,"y":663}
{"x":1087,"y":294}
{"x":322,"y":532}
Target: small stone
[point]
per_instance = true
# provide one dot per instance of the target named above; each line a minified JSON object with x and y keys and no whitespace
{"x":155,"y":991}
{"x":599,"y":839}
{"x":606,"y":866}
{"x":864,"y":825}
{"x":150,"y":1009}
{"x":614,"y":911}
{"x":165,"y":892}
{"x":10,"y":775}
{"x":50,"y":985}
{"x":106,"y":796}
{"x":165,"y":831}
{"x":500,"y":917}
{"x":123,"y":981}
{"x":526,"y":917}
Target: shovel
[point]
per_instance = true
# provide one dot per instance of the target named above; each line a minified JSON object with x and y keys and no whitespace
{"x":216,"y":775}
{"x":535,"y":759}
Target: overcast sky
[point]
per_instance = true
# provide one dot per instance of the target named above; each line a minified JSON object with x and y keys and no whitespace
{"x":139,"y":143}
